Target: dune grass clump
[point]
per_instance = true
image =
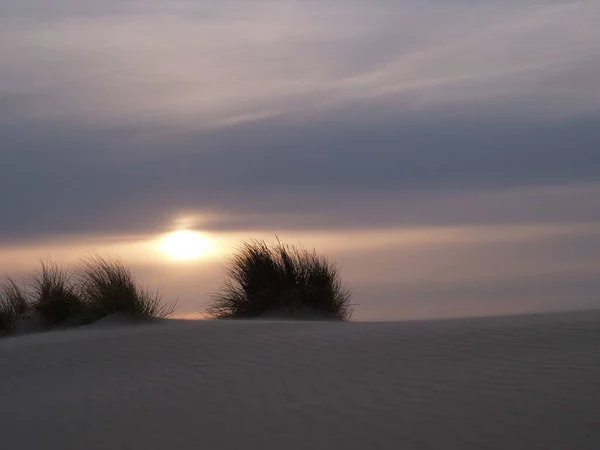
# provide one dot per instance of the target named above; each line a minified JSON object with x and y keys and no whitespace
{"x":108,"y":287}
{"x":13,"y":303}
{"x":99,"y":287}
{"x":55,"y":297}
{"x":280,"y":279}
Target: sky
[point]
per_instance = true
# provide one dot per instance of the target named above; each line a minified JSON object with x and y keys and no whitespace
{"x":445,"y":153}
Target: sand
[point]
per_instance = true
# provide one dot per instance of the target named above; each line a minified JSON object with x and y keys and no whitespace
{"x":525,"y":382}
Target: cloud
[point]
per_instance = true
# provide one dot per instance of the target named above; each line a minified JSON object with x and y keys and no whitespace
{"x":334,"y":172}
{"x":205,"y":65}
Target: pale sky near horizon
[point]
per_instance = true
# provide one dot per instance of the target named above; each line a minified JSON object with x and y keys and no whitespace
{"x":445,"y":153}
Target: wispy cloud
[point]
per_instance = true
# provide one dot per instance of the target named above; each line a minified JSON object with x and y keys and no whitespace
{"x":209,"y":65}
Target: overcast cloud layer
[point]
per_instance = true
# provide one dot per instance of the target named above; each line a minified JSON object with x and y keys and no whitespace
{"x":120,"y":118}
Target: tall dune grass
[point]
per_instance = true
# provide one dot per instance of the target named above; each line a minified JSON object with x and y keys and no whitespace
{"x":54,"y":295}
{"x":280,"y":279}
{"x":108,"y":286}
{"x":99,"y":286}
{"x":13,"y":303}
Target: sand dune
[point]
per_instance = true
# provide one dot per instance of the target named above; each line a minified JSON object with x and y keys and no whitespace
{"x":526,"y":382}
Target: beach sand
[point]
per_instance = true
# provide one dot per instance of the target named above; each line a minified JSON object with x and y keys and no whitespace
{"x":521,"y":382}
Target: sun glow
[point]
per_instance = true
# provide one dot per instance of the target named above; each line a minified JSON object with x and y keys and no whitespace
{"x":186,"y":244}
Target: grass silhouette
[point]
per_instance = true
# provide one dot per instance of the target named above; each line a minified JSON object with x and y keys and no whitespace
{"x":13,"y":303}
{"x":54,"y":296}
{"x":280,"y":279}
{"x":99,"y":286}
{"x":108,"y":286}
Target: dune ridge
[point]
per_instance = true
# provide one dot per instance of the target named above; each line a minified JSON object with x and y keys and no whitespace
{"x":520,"y":382}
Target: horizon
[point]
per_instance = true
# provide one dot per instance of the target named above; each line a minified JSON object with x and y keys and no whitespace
{"x":445,"y":156}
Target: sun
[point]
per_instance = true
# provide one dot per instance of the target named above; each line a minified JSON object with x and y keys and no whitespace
{"x":186,"y":245}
